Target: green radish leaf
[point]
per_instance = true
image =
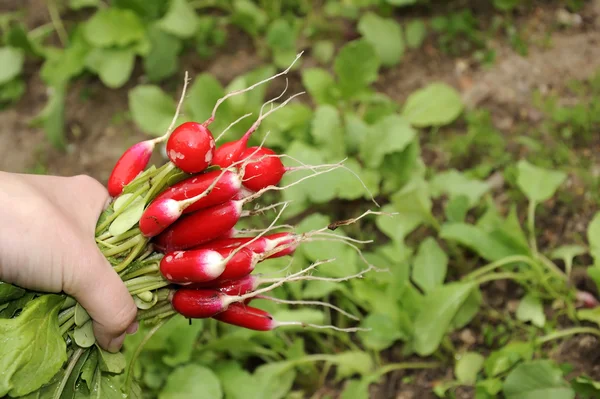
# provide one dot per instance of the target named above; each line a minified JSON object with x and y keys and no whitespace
{"x":592,"y":315}
{"x":537,"y":379}
{"x":181,"y":20}
{"x":129,"y":218}
{"x":121,"y":200}
{"x":437,"y":311}
{"x":61,"y":66}
{"x":415,"y":33}
{"x":476,"y":239}
{"x":79,"y":4}
{"x":180,"y":342}
{"x":107,"y":387}
{"x":274,"y":380}
{"x":237,"y":383}
{"x":352,"y":362}
{"x":435,"y":105}
{"x":567,"y":253}
{"x":585,"y":387}
{"x":249,"y":16}
{"x":71,"y":383}
{"x":113,"y":66}
{"x":430,"y":265}
{"x":468,"y":310}
{"x":111,"y":362}
{"x":538,"y":184}
{"x":391,"y":134}
{"x":504,"y":359}
{"x":32,"y":349}
{"x":488,"y":389}
{"x":192,"y":381}
{"x":356,"y":389}
{"x":113,"y":26}
{"x":151,"y":108}
{"x":318,"y":289}
{"x":9,"y":292}
{"x":89,"y":369}
{"x":593,"y":236}
{"x":397,"y":226}
{"x":84,"y":335}
{"x":467,"y":367}
{"x":384,"y":331}
{"x":401,"y":3}
{"x":414,"y":199}
{"x":323,"y":51}
{"x":52,"y":116}
{"x":81,"y":316}
{"x":202,"y":96}
{"x":356,"y":67}
{"x":327,"y":131}
{"x":12,"y":60}
{"x":454,"y":184}
{"x":320,"y":85}
{"x":162,"y":61}
{"x":457,"y":208}
{"x":531,"y":309}
{"x":385,"y":35}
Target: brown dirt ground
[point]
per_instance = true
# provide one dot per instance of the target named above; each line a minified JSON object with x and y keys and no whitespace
{"x":505,"y":88}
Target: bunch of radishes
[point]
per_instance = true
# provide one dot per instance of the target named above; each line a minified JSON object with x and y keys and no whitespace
{"x":183,"y":254}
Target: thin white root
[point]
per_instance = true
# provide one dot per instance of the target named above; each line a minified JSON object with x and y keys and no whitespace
{"x":309,"y":303}
{"x":271,"y":101}
{"x":335,"y":236}
{"x":282,"y":281}
{"x":236,"y":92}
{"x":269,"y":228}
{"x":328,"y":279}
{"x":231,"y":125}
{"x":262,"y":117}
{"x":254,"y":231}
{"x":177,"y":111}
{"x":259,"y":211}
{"x":257,"y":194}
{"x":302,"y":324}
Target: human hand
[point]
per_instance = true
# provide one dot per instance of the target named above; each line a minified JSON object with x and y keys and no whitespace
{"x":47,"y":244}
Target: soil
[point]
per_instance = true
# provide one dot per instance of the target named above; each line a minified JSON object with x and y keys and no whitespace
{"x":96,"y":137}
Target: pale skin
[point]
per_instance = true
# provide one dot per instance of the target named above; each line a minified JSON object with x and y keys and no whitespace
{"x":47,"y":244}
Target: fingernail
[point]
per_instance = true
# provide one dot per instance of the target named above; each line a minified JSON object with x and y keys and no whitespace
{"x":116,"y":343}
{"x":133,"y":327}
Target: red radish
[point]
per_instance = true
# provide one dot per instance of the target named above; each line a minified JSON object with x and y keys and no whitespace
{"x":199,"y":227}
{"x":259,"y":246}
{"x":199,"y":304}
{"x":245,"y":316}
{"x":238,"y":286}
{"x":227,"y":187}
{"x":252,"y":318}
{"x":164,"y":211}
{"x":228,"y":153}
{"x":129,"y":166}
{"x":191,"y":147}
{"x":266,"y":171}
{"x":202,"y":265}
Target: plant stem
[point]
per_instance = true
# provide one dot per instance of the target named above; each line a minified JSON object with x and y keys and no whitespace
{"x":138,"y":351}
{"x":67,"y":325}
{"x":129,"y":201}
{"x":76,"y":355}
{"x":567,"y":332}
{"x":150,"y":287}
{"x":132,"y":242}
{"x":57,"y":23}
{"x":65,"y":315}
{"x":408,"y":366}
{"x":501,"y":276}
{"x":141,"y":272}
{"x":531,"y":227}
{"x":494,"y":265}
{"x":131,"y":257}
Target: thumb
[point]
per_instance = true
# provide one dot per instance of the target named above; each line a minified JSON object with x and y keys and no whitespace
{"x":100,"y":290}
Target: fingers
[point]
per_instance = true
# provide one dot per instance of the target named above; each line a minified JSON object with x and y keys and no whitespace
{"x":104,"y":296}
